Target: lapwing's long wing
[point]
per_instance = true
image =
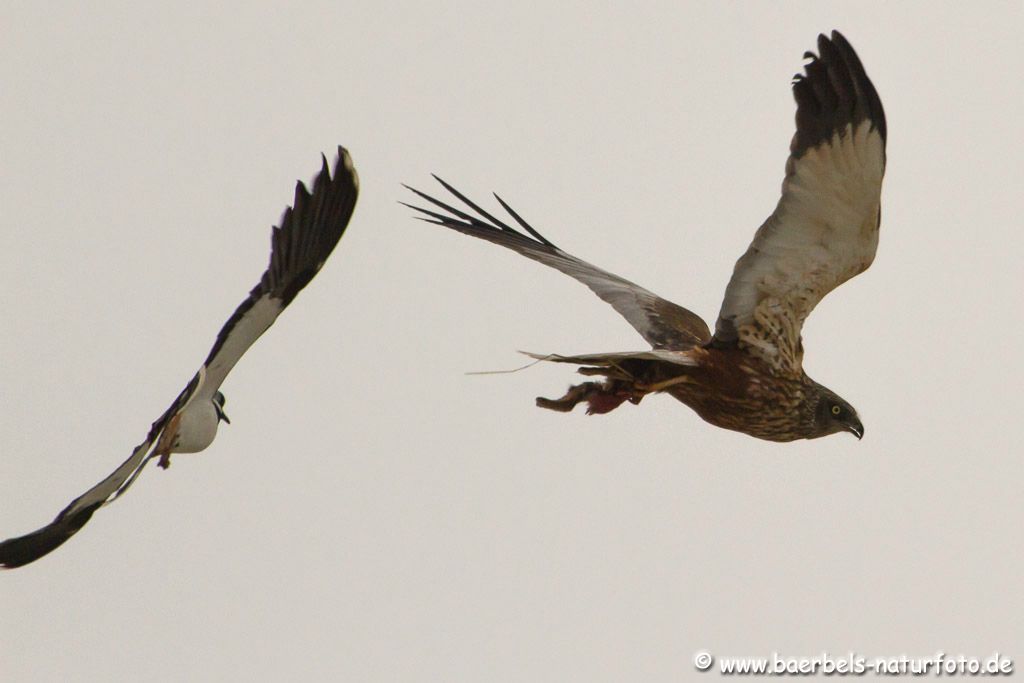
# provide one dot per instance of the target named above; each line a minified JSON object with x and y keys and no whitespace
{"x":309,"y":231}
{"x":662,"y":323}
{"x":824,"y":230}
{"x":19,"y":551}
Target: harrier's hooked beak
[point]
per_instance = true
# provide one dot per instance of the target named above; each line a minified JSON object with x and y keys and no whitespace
{"x":855,"y":427}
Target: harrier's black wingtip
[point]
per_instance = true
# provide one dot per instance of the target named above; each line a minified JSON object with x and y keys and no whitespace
{"x":438,"y":218}
{"x":833,"y":94}
{"x":489,"y":228}
{"x":526,"y":226}
{"x":860,"y":76}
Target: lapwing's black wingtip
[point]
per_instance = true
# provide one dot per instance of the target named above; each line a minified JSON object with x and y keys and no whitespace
{"x":345,"y":169}
{"x":301,"y":192}
{"x":838,"y":37}
{"x":308,"y":231}
{"x":23,"y":550}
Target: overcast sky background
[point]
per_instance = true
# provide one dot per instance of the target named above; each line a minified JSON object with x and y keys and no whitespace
{"x":373,"y":513}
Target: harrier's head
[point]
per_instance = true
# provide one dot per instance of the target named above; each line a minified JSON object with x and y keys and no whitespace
{"x":832,"y":414}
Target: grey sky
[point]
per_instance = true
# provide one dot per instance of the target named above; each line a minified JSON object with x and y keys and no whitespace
{"x":373,"y":513}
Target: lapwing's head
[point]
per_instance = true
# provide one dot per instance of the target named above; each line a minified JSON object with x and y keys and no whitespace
{"x":218,"y":405}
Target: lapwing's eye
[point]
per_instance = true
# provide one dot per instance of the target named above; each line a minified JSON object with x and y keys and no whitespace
{"x":836,"y":410}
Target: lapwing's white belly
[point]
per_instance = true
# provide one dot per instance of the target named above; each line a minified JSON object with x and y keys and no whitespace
{"x":197,"y":428}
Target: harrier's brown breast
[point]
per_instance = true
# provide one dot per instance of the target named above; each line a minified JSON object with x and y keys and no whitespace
{"x":735,"y":390}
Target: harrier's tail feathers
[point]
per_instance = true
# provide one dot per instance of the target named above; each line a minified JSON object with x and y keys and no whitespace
{"x":607,"y":359}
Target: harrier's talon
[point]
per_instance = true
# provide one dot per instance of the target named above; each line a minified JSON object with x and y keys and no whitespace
{"x":165,"y":461}
{"x":600,"y":398}
{"x":560,"y":405}
{"x":576,"y":394}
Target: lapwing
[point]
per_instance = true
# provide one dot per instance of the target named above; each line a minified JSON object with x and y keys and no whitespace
{"x":308,"y":232}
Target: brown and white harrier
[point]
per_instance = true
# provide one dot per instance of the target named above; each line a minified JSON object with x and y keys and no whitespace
{"x":309,"y":231}
{"x":748,"y":375}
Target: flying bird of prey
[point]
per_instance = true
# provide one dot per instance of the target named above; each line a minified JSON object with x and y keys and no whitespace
{"x":309,"y":231}
{"x":748,"y":376}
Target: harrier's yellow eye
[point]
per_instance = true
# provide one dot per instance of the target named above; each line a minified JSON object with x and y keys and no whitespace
{"x":836,"y":410}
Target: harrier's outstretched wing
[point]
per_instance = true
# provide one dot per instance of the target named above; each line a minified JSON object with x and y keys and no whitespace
{"x":662,"y":323}
{"x":309,"y":231}
{"x":825,"y":227}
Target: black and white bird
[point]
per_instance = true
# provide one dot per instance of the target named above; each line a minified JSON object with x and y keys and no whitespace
{"x":309,"y":231}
